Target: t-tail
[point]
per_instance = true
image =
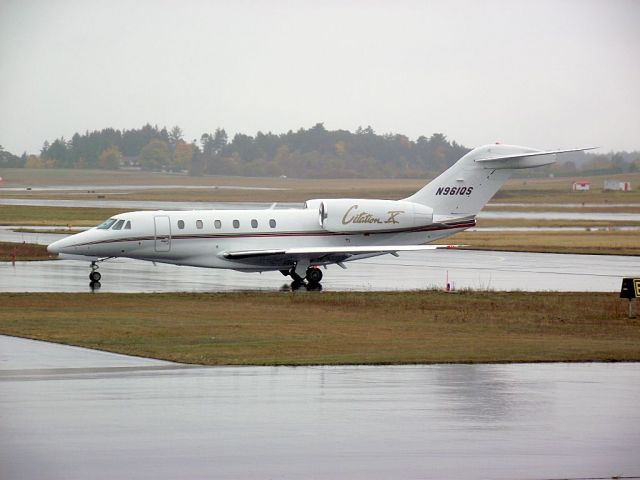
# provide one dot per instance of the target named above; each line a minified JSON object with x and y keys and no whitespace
{"x":466,"y":187}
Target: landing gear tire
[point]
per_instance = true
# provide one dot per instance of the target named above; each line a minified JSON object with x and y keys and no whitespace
{"x":95,"y":276}
{"x":314,"y":275}
{"x":95,"y":286}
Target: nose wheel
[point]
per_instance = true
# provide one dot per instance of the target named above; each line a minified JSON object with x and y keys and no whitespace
{"x":94,"y":276}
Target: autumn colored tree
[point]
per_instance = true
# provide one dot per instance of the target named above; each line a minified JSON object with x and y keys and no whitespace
{"x":110,"y":158}
{"x":155,"y":155}
{"x":183,"y":155}
{"x":34,"y":161}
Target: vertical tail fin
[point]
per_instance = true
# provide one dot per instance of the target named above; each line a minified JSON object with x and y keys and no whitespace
{"x":469,"y":184}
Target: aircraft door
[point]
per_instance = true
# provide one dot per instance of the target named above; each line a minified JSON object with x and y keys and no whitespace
{"x":162,"y":233}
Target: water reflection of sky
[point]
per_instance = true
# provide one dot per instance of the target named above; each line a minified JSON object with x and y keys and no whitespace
{"x":486,"y":396}
{"x":69,"y":412}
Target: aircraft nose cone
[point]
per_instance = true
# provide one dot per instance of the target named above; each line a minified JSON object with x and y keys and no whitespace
{"x":53,"y":248}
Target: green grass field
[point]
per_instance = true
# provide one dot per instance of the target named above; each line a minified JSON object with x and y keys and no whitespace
{"x":593,"y":242}
{"x":333,"y":328}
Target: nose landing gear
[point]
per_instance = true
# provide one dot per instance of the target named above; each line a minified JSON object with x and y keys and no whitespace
{"x":94,"y":277}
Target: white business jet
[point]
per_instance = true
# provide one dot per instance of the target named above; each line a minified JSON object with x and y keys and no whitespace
{"x":297,"y":241}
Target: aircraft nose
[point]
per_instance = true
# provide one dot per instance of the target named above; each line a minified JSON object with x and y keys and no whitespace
{"x":59,"y":246}
{"x":54,"y":247}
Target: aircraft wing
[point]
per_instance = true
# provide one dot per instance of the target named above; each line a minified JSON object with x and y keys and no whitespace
{"x":322,"y":254}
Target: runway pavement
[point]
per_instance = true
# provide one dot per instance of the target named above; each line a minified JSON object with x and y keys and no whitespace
{"x":71,"y":413}
{"x":478,"y":270}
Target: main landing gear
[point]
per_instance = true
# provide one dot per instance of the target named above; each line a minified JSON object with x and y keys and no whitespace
{"x":313,"y":276}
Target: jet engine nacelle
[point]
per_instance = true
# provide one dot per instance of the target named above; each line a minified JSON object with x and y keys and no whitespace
{"x":366,"y":215}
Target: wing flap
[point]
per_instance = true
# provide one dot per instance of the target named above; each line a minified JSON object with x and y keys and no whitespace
{"x":323,"y":251}
{"x":242,"y":254}
{"x":365,"y":250}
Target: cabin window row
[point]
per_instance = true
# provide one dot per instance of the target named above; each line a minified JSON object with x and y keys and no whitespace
{"x":218,"y":224}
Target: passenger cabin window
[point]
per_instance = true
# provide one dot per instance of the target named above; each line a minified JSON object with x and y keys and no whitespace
{"x":118,"y":225}
{"x":236,"y":224}
{"x":272,"y":223}
{"x":217,"y":224}
{"x":199,"y":224}
{"x":254,"y":223}
{"x":107,"y":224}
{"x":180,"y":224}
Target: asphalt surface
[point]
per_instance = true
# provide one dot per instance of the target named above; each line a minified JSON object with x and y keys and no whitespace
{"x":478,"y":270}
{"x":70,"y":413}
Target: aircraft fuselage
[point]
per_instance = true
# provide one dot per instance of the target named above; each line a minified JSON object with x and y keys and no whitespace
{"x":199,"y":238}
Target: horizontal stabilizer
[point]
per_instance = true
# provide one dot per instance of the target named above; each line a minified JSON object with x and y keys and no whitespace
{"x":493,"y":158}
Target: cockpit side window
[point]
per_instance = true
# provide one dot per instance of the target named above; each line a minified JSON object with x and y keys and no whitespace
{"x":107,"y":224}
{"x":118,"y":225}
{"x":127,"y":226}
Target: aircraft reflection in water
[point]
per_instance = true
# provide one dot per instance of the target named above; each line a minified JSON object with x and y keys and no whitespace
{"x":298,"y":241}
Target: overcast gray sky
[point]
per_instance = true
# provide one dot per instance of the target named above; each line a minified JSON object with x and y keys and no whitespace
{"x":561,"y":73}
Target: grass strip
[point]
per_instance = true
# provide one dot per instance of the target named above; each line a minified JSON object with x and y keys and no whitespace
{"x":333,"y":328}
{"x":23,"y":252}
{"x":592,"y":242}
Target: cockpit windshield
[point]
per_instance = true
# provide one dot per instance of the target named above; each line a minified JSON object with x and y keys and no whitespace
{"x":107,"y":224}
{"x":118,"y":225}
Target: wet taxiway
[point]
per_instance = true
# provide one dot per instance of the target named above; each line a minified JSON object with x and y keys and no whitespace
{"x":69,"y":413}
{"x":478,"y":270}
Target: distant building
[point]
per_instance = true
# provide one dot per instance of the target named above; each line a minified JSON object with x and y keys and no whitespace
{"x":617,"y":186}
{"x":581,"y":185}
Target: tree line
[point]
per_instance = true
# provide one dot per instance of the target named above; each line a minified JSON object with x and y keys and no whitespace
{"x":312,"y":153}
